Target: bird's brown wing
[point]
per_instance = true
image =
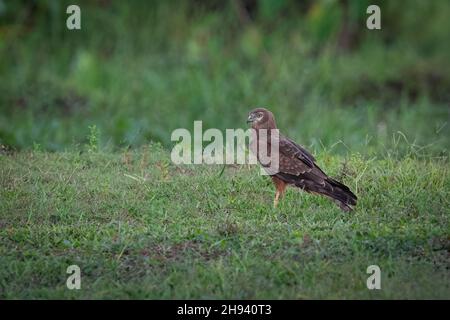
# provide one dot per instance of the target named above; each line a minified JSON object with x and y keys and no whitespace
{"x":305,"y":153}
{"x":294,"y":159}
{"x":297,"y":167}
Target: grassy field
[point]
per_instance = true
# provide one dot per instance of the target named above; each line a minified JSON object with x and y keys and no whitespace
{"x":140,"y":227}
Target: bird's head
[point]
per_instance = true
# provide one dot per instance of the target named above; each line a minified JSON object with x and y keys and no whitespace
{"x":261,"y":118}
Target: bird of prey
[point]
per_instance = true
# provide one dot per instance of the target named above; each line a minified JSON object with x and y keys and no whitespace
{"x":296,"y":166}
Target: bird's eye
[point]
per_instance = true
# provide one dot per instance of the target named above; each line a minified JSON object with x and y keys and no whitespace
{"x":260,"y":115}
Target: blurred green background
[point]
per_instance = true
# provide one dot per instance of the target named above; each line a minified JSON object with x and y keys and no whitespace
{"x":140,"y":69}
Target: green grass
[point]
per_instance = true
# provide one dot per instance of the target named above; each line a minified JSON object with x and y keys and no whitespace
{"x":140,"y":227}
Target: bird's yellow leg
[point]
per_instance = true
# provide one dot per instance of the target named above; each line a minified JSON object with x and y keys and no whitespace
{"x":277,"y":197}
{"x":280,"y":187}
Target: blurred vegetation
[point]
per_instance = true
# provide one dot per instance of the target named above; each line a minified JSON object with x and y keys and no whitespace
{"x":139,"y":69}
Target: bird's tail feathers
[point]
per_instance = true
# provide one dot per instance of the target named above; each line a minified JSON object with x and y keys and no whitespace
{"x":333,"y":189}
{"x":339,"y":192}
{"x":329,"y":187}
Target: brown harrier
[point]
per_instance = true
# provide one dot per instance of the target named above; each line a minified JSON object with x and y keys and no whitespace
{"x":296,"y":166}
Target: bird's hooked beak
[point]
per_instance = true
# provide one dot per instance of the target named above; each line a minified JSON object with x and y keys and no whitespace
{"x":251,"y":118}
